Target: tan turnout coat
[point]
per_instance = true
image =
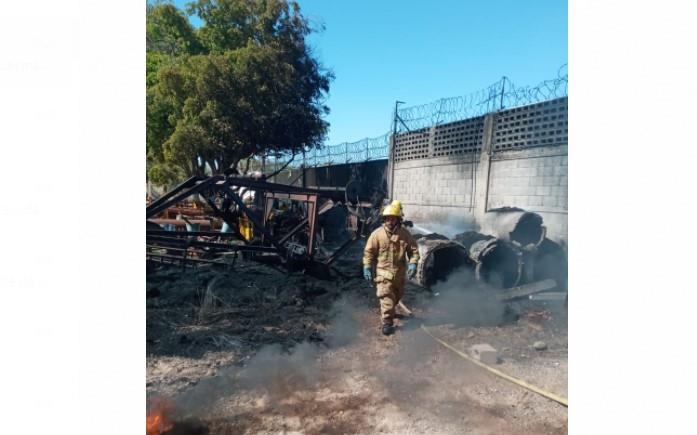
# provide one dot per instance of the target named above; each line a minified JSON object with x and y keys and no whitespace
{"x":387,"y":252}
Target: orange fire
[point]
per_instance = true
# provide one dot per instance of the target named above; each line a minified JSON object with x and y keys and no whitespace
{"x":156,"y":423}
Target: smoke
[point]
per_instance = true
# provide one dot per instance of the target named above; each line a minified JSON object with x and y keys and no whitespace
{"x":277,"y":372}
{"x":448,"y":224}
{"x":463,"y":301}
{"x":278,"y":376}
{"x":281,"y":373}
{"x":344,"y":326}
{"x":460,"y":301}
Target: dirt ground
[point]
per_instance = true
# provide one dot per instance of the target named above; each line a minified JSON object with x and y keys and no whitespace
{"x":256,"y":350}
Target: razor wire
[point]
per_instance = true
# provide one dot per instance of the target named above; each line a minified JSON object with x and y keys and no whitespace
{"x":503,"y":94}
{"x":449,"y":109}
{"x":547,"y":90}
{"x":370,"y":148}
{"x":500,"y":95}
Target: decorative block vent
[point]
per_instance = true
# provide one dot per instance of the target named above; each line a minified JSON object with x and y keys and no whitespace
{"x":411,"y":146}
{"x":459,"y":138}
{"x":541,"y":124}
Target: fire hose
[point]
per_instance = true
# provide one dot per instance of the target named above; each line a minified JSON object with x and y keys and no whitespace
{"x":559,"y":399}
{"x":547,"y":394}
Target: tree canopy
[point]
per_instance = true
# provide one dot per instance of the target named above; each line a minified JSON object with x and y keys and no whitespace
{"x":242,"y":84}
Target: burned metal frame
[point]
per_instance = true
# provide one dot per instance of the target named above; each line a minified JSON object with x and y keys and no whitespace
{"x":186,"y":184}
{"x":222,"y":216}
{"x":315,"y":201}
{"x":181,"y":192}
{"x":176,"y":242}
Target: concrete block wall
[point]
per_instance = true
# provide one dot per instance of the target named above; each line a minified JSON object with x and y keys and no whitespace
{"x":434,"y":182}
{"x":534,"y":178}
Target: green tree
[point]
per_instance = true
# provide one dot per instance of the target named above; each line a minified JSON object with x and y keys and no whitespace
{"x":254,"y":87}
{"x":169,"y":31}
{"x":169,"y":35}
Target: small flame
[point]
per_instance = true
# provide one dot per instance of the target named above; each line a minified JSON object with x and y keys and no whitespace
{"x":157,"y":423}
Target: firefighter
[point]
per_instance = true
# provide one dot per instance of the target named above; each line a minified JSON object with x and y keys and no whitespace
{"x":386,"y":252}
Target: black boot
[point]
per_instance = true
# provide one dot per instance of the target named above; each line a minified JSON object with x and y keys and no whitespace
{"x":387,"y":329}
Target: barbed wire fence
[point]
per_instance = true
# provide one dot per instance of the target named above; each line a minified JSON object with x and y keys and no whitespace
{"x":503,"y":94}
{"x":370,"y":148}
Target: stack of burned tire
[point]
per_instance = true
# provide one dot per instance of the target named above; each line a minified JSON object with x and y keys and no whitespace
{"x":515,"y":252}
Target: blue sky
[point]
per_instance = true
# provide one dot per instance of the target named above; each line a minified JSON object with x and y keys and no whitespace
{"x":418,"y":51}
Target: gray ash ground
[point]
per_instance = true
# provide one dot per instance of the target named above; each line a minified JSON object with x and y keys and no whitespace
{"x":255,"y":350}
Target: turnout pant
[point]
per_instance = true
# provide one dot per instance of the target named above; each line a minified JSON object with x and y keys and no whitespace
{"x":389,"y":293}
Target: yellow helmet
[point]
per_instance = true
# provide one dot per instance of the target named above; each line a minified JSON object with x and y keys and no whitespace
{"x":394,"y":209}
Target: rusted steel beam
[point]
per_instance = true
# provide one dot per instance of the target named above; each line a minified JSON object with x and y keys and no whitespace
{"x":326,"y":207}
{"x":185,"y":185}
{"x":231,"y":187}
{"x":184,"y":211}
{"x":185,"y":193}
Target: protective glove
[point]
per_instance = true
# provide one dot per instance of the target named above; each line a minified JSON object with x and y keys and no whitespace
{"x":368,"y":274}
{"x":411,"y":271}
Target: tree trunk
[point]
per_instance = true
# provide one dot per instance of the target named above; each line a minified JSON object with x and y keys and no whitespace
{"x":193,"y":167}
